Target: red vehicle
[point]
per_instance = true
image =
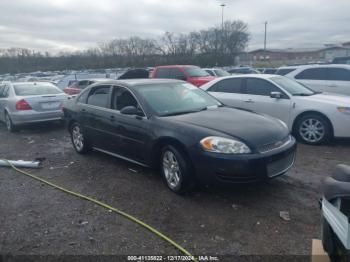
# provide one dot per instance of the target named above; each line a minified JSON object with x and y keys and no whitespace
{"x":76,"y":86}
{"x":192,"y":74}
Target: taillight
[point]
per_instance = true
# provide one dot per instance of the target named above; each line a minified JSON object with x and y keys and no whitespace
{"x":23,"y":105}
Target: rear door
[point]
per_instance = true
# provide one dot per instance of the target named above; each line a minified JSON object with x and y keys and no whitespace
{"x":258,"y":99}
{"x":229,"y":92}
{"x":95,"y":116}
{"x":314,"y":78}
{"x":338,"y":81}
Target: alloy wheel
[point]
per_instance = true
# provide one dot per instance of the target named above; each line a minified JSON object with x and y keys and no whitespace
{"x":78,"y":138}
{"x":312,"y":130}
{"x":171,"y":169}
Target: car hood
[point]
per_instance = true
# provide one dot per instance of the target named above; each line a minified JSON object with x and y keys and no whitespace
{"x":328,"y":98}
{"x":251,"y":128}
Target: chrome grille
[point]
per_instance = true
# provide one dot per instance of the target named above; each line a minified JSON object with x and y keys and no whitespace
{"x":275,"y":145}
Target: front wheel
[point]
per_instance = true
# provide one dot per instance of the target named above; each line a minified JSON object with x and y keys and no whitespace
{"x":79,"y":140}
{"x":176,"y":170}
{"x":313,"y":129}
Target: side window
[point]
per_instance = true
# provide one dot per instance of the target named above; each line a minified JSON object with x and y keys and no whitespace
{"x":210,"y":72}
{"x":83,"y":84}
{"x":338,"y":74}
{"x":255,"y":86}
{"x":123,"y":98}
{"x":6,"y":91}
{"x":230,"y":85}
{"x":176,"y":73}
{"x":99,"y":96}
{"x":313,"y":74}
{"x":162,"y":73}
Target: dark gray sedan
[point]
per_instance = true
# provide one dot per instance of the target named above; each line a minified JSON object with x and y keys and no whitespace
{"x":25,"y":103}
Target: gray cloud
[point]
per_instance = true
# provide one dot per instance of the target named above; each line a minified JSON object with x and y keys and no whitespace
{"x":57,"y":25}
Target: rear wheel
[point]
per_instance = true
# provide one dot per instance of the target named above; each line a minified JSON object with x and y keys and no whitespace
{"x":79,"y":141}
{"x":9,"y":124}
{"x":313,"y":129}
{"x":176,"y":170}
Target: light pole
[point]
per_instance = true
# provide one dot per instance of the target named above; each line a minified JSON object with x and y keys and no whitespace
{"x":222,"y":29}
{"x":265,"y":40}
{"x":222,"y":17}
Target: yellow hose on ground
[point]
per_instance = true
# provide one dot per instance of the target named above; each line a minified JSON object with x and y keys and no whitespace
{"x":116,"y":210}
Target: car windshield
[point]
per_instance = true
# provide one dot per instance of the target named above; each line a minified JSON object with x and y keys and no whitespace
{"x":36,"y":89}
{"x":220,"y":72}
{"x":176,"y":98}
{"x":293,"y":87}
{"x":196,"y":72}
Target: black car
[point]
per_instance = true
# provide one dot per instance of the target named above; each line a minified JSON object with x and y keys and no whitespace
{"x":177,"y":127}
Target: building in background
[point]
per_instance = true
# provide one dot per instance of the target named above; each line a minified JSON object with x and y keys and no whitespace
{"x":295,"y":55}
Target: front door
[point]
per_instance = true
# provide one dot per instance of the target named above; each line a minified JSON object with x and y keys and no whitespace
{"x":132,"y":130}
{"x":258,"y":98}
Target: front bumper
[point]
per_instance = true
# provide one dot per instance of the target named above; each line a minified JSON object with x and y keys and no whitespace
{"x":30,"y":116}
{"x":249,"y":168}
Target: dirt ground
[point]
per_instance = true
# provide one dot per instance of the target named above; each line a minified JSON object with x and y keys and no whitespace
{"x":242,"y":220}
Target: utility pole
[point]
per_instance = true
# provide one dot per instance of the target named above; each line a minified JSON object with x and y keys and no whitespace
{"x":265,"y":40}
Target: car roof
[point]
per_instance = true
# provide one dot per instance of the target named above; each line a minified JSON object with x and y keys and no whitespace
{"x":175,"y":66}
{"x":31,"y":83}
{"x":140,"y":82}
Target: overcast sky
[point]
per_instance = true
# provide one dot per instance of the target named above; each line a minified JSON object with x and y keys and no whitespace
{"x":68,"y":25}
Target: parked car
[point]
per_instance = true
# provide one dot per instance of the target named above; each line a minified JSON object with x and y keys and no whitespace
{"x":313,"y":117}
{"x":76,"y":86}
{"x":341,"y":60}
{"x":326,"y":78}
{"x":192,"y":74}
{"x":242,"y":71}
{"x":27,"y":102}
{"x":270,"y":71}
{"x":283,"y":70}
{"x":180,"y":128}
{"x":216,"y":72}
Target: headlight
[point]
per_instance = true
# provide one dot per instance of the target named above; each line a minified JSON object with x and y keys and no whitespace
{"x":345,"y":110}
{"x":224,"y":145}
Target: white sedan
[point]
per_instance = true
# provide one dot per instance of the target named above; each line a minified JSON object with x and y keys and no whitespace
{"x":313,"y":117}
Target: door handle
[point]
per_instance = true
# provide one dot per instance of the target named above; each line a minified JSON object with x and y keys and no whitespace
{"x":112,"y":118}
{"x":248,"y":100}
{"x":83,"y":110}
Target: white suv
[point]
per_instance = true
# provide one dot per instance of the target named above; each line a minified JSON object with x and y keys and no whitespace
{"x":326,"y":78}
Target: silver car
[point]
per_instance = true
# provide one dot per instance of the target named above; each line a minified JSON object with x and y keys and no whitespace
{"x":25,"y":103}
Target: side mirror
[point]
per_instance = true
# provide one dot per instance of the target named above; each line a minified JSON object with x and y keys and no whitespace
{"x":129,"y":110}
{"x":276,"y":95}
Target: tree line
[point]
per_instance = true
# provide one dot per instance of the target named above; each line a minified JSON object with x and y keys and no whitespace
{"x":215,"y":46}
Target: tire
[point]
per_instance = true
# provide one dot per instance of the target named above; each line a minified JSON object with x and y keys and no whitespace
{"x":79,"y":140}
{"x":9,"y":124}
{"x":313,"y":129}
{"x":176,"y":170}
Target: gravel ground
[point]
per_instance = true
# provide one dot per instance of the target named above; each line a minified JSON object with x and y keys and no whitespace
{"x":242,"y":220}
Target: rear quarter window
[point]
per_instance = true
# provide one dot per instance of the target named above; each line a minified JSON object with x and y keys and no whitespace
{"x":313,"y":74}
{"x":162,"y":73}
